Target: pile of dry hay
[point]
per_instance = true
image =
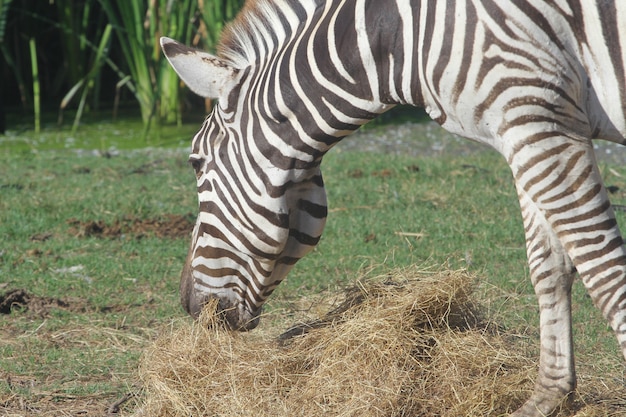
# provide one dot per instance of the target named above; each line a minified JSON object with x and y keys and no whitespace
{"x":407,"y":344}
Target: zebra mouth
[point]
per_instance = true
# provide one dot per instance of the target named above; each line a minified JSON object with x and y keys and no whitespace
{"x":233,"y":315}
{"x":237,"y":317}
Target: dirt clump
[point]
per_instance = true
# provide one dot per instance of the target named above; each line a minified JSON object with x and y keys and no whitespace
{"x":20,"y":299}
{"x":170,"y":226}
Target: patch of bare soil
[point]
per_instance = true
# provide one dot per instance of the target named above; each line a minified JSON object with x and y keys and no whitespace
{"x":20,"y":299}
{"x":23,"y":301}
{"x":170,"y":226}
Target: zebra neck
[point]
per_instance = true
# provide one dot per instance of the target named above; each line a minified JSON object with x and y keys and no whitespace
{"x":326,"y":67}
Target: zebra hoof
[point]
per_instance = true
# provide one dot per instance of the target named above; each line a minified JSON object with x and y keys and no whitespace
{"x":543,"y":405}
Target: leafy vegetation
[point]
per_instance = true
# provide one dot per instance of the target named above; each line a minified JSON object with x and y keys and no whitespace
{"x":141,"y":24}
{"x":102,"y":48}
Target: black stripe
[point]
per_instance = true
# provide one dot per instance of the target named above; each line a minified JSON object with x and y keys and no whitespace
{"x":318,"y":211}
{"x":304,"y":238}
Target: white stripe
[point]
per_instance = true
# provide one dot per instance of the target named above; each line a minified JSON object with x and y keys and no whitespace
{"x":367,"y":59}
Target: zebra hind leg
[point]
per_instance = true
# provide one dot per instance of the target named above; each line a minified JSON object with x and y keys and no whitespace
{"x":552,"y":274}
{"x":561,"y":189}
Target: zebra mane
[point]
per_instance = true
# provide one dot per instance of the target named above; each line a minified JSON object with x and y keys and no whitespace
{"x":240,"y":42}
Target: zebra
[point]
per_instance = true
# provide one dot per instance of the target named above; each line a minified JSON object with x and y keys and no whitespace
{"x":536,"y":80}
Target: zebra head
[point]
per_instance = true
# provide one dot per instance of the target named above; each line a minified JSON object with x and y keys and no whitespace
{"x":261,"y":208}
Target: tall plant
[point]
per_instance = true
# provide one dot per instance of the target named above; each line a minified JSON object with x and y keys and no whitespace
{"x":215,"y":14}
{"x":139,"y":25}
{"x":4,"y":11}
{"x":87,"y":81}
{"x":4,"y":50}
{"x":85,"y":39}
{"x":75,"y":21}
{"x":36,"y":96}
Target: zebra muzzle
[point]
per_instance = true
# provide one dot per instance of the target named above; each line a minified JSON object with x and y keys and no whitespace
{"x":214,"y":311}
{"x":237,"y":317}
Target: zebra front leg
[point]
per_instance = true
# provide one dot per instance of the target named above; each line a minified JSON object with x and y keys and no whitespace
{"x":552,"y":274}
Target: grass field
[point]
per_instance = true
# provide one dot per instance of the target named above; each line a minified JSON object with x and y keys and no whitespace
{"x":91,"y":245}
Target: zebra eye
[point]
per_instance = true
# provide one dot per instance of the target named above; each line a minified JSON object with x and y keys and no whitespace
{"x":196,"y":162}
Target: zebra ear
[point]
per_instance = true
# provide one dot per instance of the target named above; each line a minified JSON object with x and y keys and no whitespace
{"x":205,"y":74}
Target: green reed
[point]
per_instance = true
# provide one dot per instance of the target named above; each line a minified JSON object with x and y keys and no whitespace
{"x":138,"y":26}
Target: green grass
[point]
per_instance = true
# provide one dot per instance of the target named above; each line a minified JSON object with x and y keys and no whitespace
{"x":385,"y":211}
{"x":411,"y":210}
{"x":124,"y":288}
{"x":98,"y":132}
